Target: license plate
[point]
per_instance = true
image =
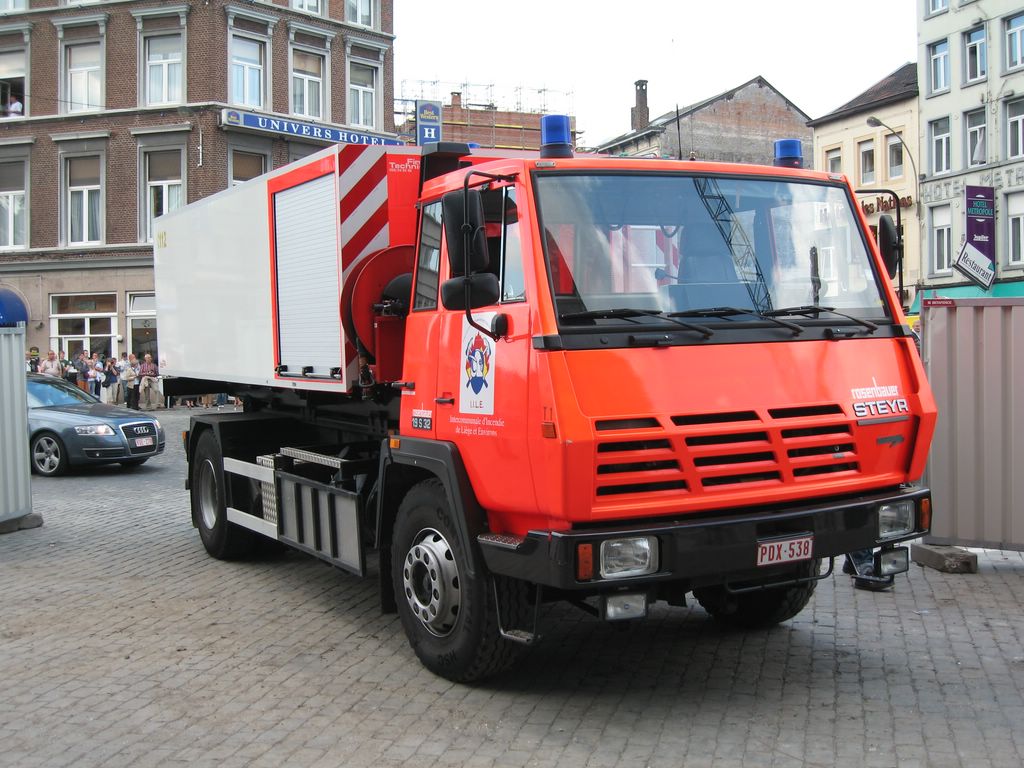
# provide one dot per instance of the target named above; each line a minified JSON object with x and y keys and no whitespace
{"x":785,"y":550}
{"x":141,"y":442}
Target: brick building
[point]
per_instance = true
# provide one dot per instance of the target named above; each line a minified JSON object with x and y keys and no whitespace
{"x":740,"y":125}
{"x":486,"y":125}
{"x":132,"y":108}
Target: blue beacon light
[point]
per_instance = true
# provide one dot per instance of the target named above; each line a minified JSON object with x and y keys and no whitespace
{"x":789,"y":153}
{"x":555,"y":136}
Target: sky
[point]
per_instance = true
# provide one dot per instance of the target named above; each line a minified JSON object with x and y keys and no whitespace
{"x":818,"y":53}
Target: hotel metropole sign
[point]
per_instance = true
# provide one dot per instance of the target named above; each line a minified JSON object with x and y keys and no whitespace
{"x":285,"y":128}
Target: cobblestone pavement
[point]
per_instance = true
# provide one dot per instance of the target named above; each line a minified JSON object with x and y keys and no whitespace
{"x":123,"y":644}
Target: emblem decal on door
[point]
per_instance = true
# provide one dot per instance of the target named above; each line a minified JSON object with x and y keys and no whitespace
{"x":476,"y":395}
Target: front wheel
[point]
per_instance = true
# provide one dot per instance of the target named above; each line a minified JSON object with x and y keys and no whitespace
{"x":755,"y":610}
{"x":222,"y":539}
{"x":449,"y":618}
{"x":49,"y":456}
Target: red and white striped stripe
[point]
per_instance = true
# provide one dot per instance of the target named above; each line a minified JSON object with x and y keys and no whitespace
{"x":363,"y":186}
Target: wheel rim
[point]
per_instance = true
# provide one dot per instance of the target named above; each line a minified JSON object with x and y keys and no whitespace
{"x":430,"y":577}
{"x":208,"y":502}
{"x":46,"y":455}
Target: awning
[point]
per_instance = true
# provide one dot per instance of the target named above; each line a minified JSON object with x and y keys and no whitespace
{"x":999,"y":290}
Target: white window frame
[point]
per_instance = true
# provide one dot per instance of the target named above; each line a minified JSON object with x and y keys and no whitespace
{"x":247,"y":67}
{"x":835,"y":153}
{"x":72,"y":104}
{"x":59,"y":340}
{"x":866,"y":161}
{"x":894,"y":140}
{"x":363,"y":8}
{"x":250,"y":148}
{"x":941,"y":239}
{"x":267,"y":50}
{"x":979,"y":48}
{"x":147,"y":97}
{"x":11,"y":197}
{"x":85,"y":189}
{"x":305,"y":80}
{"x":938,"y":67}
{"x":1013,"y":37}
{"x":315,"y":7}
{"x":164,"y":184}
{"x":937,"y":6}
{"x":13,"y":5}
{"x":940,"y":147}
{"x":974,"y":136}
{"x":355,"y":105}
{"x":1015,"y":130}
{"x":1015,"y":229}
{"x":26,"y":51}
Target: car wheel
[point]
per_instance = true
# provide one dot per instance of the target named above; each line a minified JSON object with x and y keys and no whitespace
{"x":49,"y":457}
{"x":449,"y":618}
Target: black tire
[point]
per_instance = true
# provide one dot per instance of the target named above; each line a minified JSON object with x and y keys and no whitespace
{"x":756,"y":610}
{"x":48,"y":455}
{"x":451,"y":621}
{"x":130,"y":463}
{"x":222,"y":539}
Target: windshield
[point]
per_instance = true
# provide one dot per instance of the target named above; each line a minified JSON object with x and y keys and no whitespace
{"x":660,"y":243}
{"x":45,"y":393}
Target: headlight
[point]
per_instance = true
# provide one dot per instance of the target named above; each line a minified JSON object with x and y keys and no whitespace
{"x":895,"y":519}
{"x":635,"y":556}
{"x":94,"y":429}
{"x":157,"y":422}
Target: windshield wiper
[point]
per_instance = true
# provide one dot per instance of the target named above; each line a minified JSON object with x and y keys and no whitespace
{"x":630,"y":313}
{"x":729,"y":311}
{"x":807,"y":309}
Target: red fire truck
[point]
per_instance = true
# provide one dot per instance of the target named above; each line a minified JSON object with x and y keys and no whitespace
{"x":499,"y":381}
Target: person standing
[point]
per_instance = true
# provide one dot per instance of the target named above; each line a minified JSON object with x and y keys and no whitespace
{"x":148,"y":373}
{"x":51,"y":365}
{"x":82,"y":367}
{"x":111,"y":391}
{"x":14,"y":106}
{"x":130,"y":377}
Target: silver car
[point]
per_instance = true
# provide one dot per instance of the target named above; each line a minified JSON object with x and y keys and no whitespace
{"x":69,"y":427}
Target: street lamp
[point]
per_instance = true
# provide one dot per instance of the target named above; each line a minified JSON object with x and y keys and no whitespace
{"x":874,"y":122}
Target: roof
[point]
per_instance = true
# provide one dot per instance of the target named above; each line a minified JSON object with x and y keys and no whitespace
{"x":659,"y":124}
{"x":897,"y":86}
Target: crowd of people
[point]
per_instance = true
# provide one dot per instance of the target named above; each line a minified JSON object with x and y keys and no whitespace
{"x":124,"y":381}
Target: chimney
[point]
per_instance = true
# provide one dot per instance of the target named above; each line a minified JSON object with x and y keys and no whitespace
{"x":640,"y":115}
{"x":456,"y":99}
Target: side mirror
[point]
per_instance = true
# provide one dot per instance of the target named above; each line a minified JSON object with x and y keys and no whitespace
{"x":483,"y":291}
{"x":464,"y":209}
{"x":889,"y":244}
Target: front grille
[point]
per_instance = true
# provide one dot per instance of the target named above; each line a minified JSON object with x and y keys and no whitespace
{"x":712,"y":452}
{"x":138,"y":430}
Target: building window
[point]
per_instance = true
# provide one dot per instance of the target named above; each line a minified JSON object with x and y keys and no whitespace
{"x":246,"y":165}
{"x":82,"y":77}
{"x":894,"y":155}
{"x":163,"y":69}
{"x":938,"y":55}
{"x":164,"y":190}
{"x":84,"y":322}
{"x":12,"y":83}
{"x":941,"y":239}
{"x":1015,"y":41}
{"x":309,"y":6}
{"x":939,"y":131}
{"x":362,"y":95}
{"x":247,"y":66}
{"x":307,"y":84}
{"x":12,"y":205}
{"x":975,"y":55}
{"x":974,"y":123}
{"x":834,"y":161}
{"x":141,"y":317}
{"x":1015,"y":245}
{"x":85,"y":212}
{"x":866,"y":151}
{"x":1015,"y":128}
{"x":937,"y":6}
{"x":360,"y":12}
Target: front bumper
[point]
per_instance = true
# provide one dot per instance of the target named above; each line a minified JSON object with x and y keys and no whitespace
{"x":707,"y":550}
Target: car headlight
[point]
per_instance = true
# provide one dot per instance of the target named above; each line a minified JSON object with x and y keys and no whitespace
{"x":157,"y":422}
{"x":895,"y":519}
{"x":633,"y":556}
{"x":94,"y":429}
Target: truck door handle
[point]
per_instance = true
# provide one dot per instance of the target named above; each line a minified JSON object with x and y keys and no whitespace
{"x":445,"y":400}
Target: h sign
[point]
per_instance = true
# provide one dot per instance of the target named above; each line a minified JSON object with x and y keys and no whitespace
{"x":428,"y":122}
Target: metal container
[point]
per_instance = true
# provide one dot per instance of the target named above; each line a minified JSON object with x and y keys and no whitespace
{"x":974,"y":354}
{"x":15,"y":485}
